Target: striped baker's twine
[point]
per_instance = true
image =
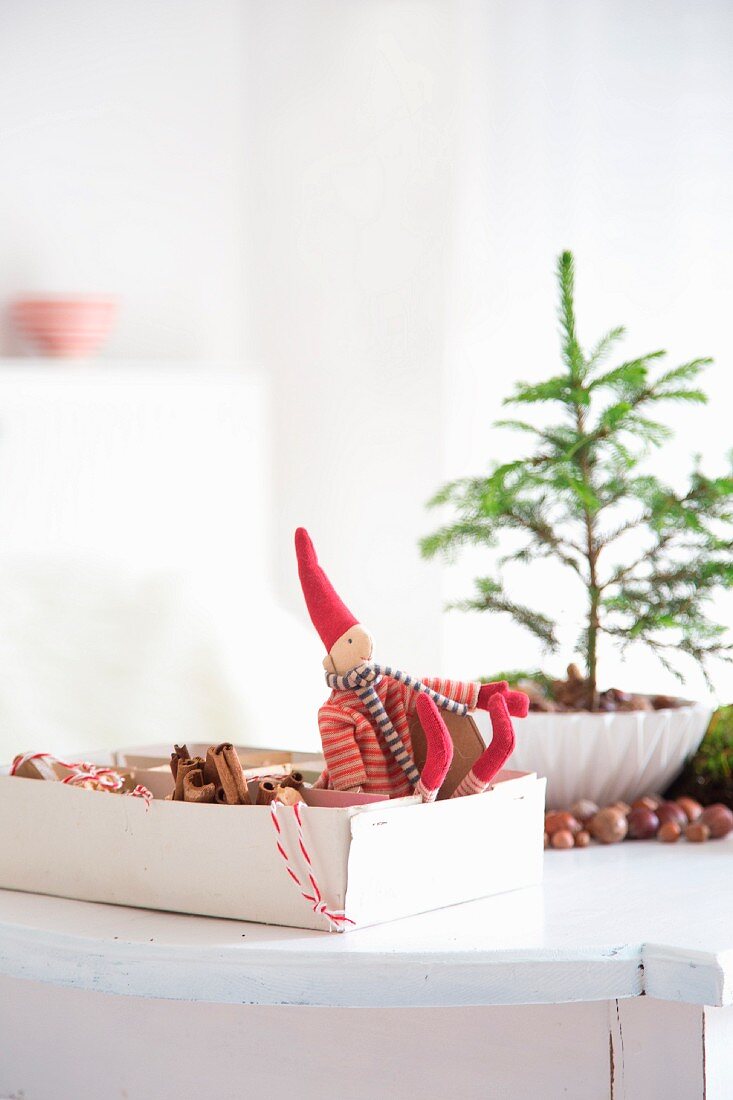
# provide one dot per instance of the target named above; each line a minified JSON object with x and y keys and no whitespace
{"x":336,"y":917}
{"x":83,"y":773}
{"x":80,"y":771}
{"x":142,"y":792}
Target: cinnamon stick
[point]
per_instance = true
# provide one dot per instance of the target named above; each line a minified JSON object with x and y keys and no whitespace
{"x":194,"y":788}
{"x":266,"y":792}
{"x":229,"y":775}
{"x":184,"y":767}
{"x":211,"y":775}
{"x":294,"y":780}
{"x":180,"y":752}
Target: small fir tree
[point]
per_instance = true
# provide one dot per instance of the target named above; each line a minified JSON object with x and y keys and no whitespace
{"x":581,"y":487}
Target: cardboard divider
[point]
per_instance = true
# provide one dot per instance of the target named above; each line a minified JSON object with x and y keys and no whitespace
{"x":159,"y":782}
{"x":153,"y":756}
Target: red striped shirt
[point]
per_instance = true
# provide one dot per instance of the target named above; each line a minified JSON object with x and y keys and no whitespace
{"x":355,"y":751}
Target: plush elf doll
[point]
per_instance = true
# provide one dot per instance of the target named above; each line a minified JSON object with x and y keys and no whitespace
{"x":364,"y":724}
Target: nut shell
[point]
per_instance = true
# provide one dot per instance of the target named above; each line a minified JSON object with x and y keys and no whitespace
{"x":584,"y":810}
{"x":563,"y":838}
{"x":645,"y":803}
{"x":643,"y":823}
{"x":671,"y":811}
{"x":697,"y":832}
{"x":669,"y":833}
{"x":556,"y":820}
{"x":609,"y":825}
{"x":692,"y":808}
{"x":718,"y":818}
{"x":582,"y":839}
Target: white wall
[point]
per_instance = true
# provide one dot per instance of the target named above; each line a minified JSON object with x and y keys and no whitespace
{"x":351,"y":122}
{"x":415,"y":170}
{"x":367,"y":198}
{"x":122,"y":154}
{"x":266,"y":181}
{"x":606,"y":128}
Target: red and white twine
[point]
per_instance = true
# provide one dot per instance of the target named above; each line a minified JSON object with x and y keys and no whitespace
{"x":336,"y":917}
{"x":142,"y":792}
{"x":82,"y":773}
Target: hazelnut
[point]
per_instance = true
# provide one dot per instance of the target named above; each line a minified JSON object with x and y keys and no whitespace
{"x":645,"y":803}
{"x":671,"y":811}
{"x":609,"y":825}
{"x":643,"y":823}
{"x":584,"y":810}
{"x":691,"y":808}
{"x":697,"y":832}
{"x":561,"y":819}
{"x":665,"y":702}
{"x":582,"y":839}
{"x":718,"y":818}
{"x":622,"y":806}
{"x":563,"y":838}
{"x":669,"y":832}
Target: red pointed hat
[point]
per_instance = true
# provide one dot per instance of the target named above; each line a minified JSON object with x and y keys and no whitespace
{"x":330,"y":615}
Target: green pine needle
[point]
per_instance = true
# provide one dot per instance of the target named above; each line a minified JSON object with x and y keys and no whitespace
{"x":582,"y":488}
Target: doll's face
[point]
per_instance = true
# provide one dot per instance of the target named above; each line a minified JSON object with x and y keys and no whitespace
{"x":351,"y":649}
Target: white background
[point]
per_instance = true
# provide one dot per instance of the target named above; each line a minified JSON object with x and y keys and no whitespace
{"x":364,"y":201}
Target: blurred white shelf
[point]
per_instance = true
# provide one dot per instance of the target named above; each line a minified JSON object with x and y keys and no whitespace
{"x":20,"y":369}
{"x":136,"y":597}
{"x":151,"y":462}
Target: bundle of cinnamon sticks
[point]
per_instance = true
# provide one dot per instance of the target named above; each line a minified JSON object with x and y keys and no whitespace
{"x":220,"y":778}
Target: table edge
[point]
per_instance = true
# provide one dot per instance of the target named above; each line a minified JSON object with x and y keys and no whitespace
{"x":264,"y":976}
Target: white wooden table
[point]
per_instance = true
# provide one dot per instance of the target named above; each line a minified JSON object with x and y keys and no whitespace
{"x":613,"y":979}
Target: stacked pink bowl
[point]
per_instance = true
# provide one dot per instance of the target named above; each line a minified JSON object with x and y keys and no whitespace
{"x":66,"y":326}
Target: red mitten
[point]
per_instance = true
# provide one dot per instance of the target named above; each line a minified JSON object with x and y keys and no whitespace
{"x":487,"y":691}
{"x":517,"y":702}
{"x":439,"y":749}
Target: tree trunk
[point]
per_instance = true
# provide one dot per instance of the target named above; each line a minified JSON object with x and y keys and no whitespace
{"x":592,"y":646}
{"x":591,"y":553}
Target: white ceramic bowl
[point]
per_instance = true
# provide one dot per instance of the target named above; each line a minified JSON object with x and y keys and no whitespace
{"x":605,"y":757}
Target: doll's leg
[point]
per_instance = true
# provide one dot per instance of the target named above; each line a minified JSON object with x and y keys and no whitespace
{"x":439,"y":749}
{"x":494,"y":757}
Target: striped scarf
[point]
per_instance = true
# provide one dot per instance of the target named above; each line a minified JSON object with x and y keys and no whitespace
{"x":363,"y":680}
